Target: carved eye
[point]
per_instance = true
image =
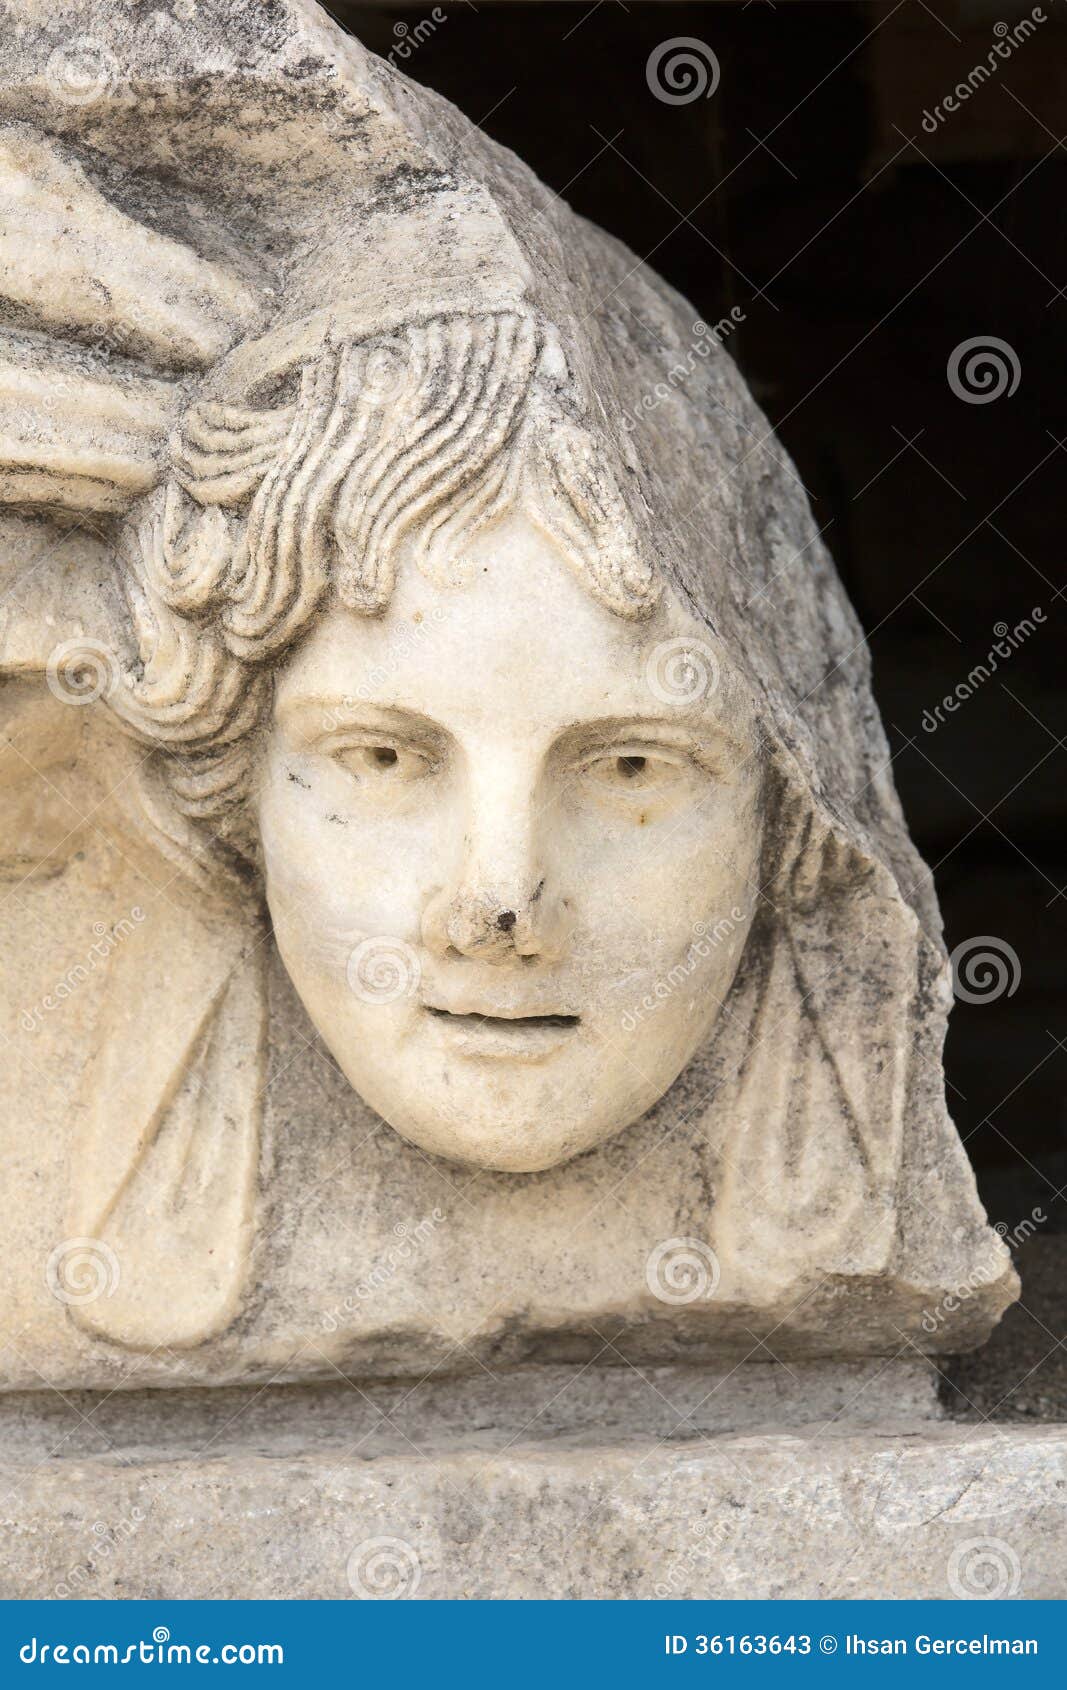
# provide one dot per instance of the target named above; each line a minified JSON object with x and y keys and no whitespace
{"x":632,"y":769}
{"x":383,"y":761}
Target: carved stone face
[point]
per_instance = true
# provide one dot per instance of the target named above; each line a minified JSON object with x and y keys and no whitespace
{"x":511,"y":845}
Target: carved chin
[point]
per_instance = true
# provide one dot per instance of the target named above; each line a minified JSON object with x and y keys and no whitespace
{"x":506,"y":1146}
{"x":516,"y":1120}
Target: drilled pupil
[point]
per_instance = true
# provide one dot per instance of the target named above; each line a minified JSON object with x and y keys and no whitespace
{"x":384,"y":756}
{"x":630,"y":766}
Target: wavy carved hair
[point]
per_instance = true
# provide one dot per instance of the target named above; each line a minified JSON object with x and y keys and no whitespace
{"x":422,"y":437}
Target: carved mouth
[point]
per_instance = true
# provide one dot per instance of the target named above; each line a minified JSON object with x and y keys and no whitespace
{"x":523,"y":1038}
{"x":506,"y":1020}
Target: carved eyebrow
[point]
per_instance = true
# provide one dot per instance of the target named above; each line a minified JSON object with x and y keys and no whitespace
{"x":315,"y":716}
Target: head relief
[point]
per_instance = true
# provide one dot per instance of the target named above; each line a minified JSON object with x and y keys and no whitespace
{"x":518,"y":719}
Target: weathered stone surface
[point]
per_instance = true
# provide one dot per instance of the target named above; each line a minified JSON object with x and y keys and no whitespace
{"x":580,"y":1406}
{"x":459,"y":909}
{"x":831,"y":1511}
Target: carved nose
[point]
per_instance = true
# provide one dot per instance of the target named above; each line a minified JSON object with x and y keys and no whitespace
{"x":475,"y":925}
{"x":500,"y":905}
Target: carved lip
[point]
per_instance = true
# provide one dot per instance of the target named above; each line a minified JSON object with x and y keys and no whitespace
{"x":523,"y":1037}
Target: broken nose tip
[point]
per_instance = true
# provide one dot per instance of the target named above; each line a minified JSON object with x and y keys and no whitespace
{"x":506,"y":920}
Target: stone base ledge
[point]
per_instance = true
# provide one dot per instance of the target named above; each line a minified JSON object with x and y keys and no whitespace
{"x":927,"y":1510}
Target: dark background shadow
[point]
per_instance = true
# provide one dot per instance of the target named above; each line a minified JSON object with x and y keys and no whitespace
{"x":863,"y":249}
